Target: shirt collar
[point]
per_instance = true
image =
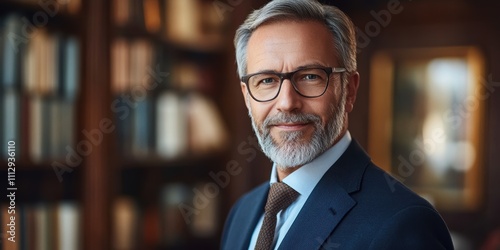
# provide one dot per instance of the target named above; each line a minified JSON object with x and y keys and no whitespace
{"x":304,"y":179}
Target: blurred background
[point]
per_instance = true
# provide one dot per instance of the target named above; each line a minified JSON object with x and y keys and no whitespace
{"x":127,"y":129}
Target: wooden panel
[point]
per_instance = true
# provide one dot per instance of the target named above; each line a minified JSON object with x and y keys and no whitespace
{"x":96,"y":112}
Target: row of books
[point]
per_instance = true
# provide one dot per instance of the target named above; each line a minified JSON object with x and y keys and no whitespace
{"x":194,"y":22}
{"x":42,"y":63}
{"x":169,"y":125}
{"x":181,"y":213}
{"x":169,"y":116}
{"x":42,"y":226}
{"x":41,"y":127}
{"x":135,"y":64}
{"x":140,"y":64}
{"x":169,"y":223}
{"x":39,"y":82}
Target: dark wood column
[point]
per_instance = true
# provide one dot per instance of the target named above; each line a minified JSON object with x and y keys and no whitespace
{"x":96,"y":99}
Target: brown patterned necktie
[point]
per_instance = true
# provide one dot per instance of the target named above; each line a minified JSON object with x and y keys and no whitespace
{"x":280,"y":197}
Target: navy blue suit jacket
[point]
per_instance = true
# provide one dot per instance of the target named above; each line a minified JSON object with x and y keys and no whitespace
{"x":355,"y":205}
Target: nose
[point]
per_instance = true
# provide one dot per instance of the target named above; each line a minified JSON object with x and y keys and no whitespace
{"x":288,"y":99}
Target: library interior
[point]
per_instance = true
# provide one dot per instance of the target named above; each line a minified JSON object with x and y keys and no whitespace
{"x":123,"y":126}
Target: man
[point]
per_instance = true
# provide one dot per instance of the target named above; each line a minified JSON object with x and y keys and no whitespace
{"x":296,"y":60}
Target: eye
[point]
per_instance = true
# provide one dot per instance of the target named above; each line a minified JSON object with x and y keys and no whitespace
{"x":264,"y":79}
{"x":311,"y":77}
{"x":267,"y":81}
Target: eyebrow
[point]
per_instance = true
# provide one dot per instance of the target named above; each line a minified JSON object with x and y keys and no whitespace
{"x":307,"y":66}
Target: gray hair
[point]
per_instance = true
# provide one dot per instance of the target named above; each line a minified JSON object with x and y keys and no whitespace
{"x":336,"y":21}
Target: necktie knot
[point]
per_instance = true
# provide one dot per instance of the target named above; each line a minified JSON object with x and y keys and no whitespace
{"x":280,"y":197}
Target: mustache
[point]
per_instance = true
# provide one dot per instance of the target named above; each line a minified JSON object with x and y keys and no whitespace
{"x":291,"y":118}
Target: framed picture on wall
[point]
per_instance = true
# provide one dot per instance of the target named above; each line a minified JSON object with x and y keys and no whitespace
{"x":426,"y":122}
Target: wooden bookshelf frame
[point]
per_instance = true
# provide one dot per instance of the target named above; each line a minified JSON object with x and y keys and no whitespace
{"x":98,"y":167}
{"x":381,"y":120}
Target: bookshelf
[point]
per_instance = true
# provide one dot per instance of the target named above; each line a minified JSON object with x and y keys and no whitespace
{"x":40,"y":79}
{"x":115,"y":109}
{"x":166,"y":57}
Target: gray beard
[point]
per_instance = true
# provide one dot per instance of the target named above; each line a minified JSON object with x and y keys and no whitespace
{"x":294,"y":151}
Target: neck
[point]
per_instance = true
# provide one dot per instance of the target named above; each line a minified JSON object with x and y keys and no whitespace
{"x":284,"y":172}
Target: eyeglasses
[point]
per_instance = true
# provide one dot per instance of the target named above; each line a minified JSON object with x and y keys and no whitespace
{"x":307,"y":82}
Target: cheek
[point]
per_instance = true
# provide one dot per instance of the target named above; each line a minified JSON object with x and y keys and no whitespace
{"x":327,"y":105}
{"x":326,"y":114}
{"x":259,"y":112}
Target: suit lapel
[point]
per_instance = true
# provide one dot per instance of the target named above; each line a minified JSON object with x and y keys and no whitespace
{"x":329,"y":202}
{"x":251,"y":211}
{"x":317,"y":219}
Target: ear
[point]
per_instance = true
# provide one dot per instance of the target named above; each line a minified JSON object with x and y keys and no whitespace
{"x":352,"y":90}
{"x":245,"y":93}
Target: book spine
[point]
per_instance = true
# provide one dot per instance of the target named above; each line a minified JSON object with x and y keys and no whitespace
{"x":11,"y":119}
{"x":171,"y":126}
{"x":68,"y":225}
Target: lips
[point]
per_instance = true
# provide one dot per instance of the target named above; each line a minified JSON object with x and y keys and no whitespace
{"x":290,"y":126}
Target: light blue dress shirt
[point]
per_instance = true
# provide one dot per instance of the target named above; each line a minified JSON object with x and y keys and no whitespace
{"x":303,"y":180}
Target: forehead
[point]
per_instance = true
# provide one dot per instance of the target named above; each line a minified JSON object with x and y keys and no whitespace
{"x":287,"y":45}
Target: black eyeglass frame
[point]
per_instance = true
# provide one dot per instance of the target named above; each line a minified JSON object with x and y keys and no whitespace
{"x":288,"y":75}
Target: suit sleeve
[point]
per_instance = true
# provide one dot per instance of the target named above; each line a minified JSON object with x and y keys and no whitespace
{"x":416,"y":227}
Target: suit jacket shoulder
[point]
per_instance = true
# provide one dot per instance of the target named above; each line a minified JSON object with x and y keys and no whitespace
{"x":388,"y":215}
